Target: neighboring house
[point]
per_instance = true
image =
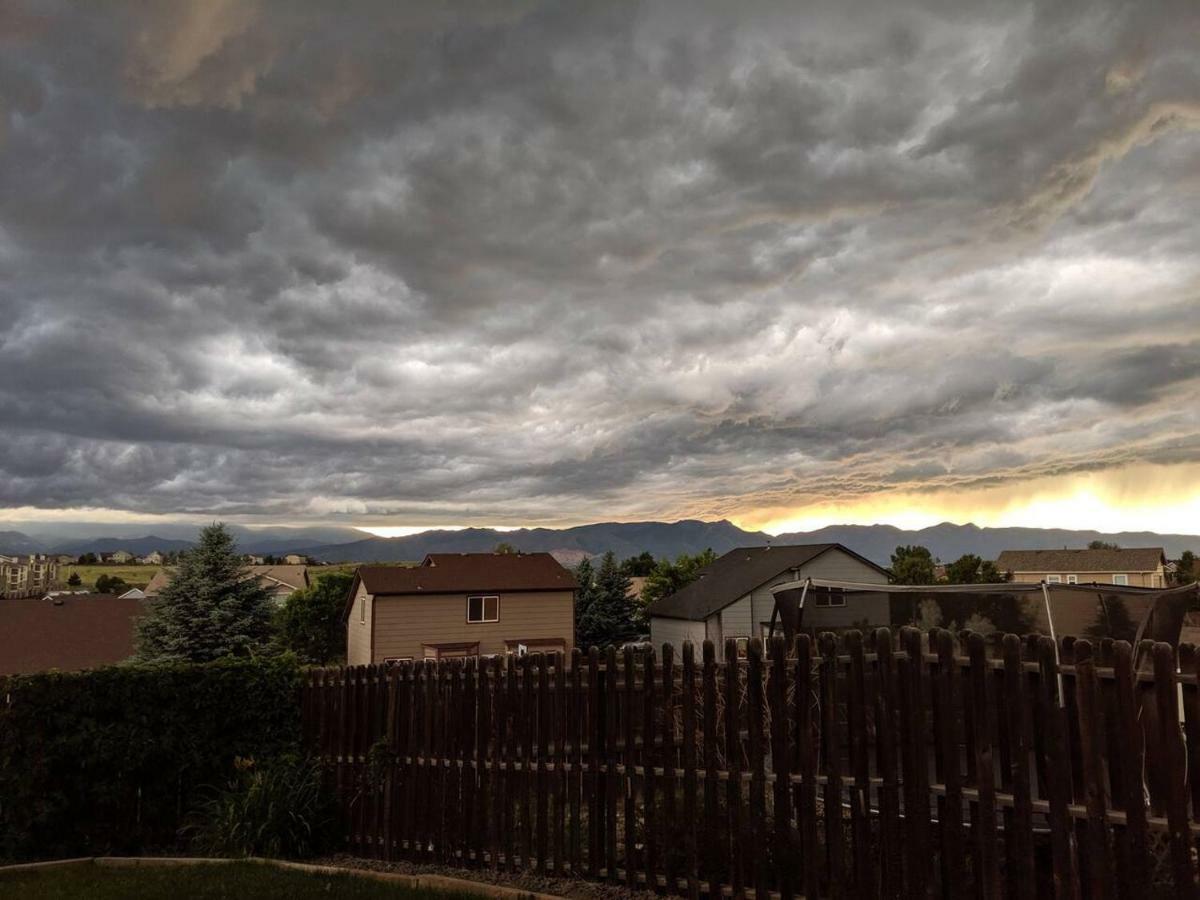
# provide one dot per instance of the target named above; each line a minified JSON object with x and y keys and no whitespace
{"x":66,"y":632}
{"x":252,"y":560}
{"x":119,"y":557}
{"x":153,"y":558}
{"x":1135,"y":567}
{"x":133,"y":594}
{"x":279,"y":581}
{"x":295,"y":559}
{"x":27,"y":576}
{"x":460,"y":604}
{"x":732,"y":596}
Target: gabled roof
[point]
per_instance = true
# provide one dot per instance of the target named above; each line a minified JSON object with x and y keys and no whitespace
{"x":736,"y":574}
{"x":68,"y":632}
{"x":459,"y":573}
{"x":1135,"y":559}
{"x":293,"y":577}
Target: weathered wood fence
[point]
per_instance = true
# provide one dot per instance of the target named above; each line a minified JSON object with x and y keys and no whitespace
{"x":860,"y":767}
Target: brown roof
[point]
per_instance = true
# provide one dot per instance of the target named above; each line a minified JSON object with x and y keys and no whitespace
{"x":294,"y":577}
{"x":70,"y":632}
{"x":457,"y":573}
{"x":1135,"y":559}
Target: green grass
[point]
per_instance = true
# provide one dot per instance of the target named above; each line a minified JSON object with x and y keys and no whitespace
{"x":134,"y":576}
{"x":235,"y":881}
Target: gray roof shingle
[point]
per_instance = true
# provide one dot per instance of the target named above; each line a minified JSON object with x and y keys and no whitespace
{"x":1134,"y":559}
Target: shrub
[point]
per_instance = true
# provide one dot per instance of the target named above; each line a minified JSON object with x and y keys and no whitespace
{"x":280,"y":808}
{"x":108,"y":761}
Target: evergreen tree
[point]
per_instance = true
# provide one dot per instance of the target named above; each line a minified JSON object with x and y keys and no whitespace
{"x":310,"y":622}
{"x":609,"y":615}
{"x":209,"y":610}
{"x":585,"y":578}
{"x":74,"y":580}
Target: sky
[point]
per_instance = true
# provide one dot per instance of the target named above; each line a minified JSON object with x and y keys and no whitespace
{"x":409,"y":265}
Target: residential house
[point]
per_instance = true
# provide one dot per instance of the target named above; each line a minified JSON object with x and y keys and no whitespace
{"x":251,"y":560}
{"x":732,"y":597}
{"x":460,"y":604}
{"x":27,"y":576}
{"x":66,"y":632}
{"x":1135,"y":567}
{"x":133,"y":594}
{"x":295,"y":559}
{"x":280,"y":582}
{"x":118,"y":557}
{"x":153,"y":558}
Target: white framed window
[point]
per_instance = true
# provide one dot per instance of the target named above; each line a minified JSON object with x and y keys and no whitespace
{"x":362,"y":610}
{"x":1121,"y":579}
{"x":1072,"y":579}
{"x":396,"y":659}
{"x":483,"y":608}
{"x":1053,"y":579}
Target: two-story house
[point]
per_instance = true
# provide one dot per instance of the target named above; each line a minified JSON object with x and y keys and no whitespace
{"x":460,"y":604}
{"x":1134,"y":567}
{"x":732,"y":597}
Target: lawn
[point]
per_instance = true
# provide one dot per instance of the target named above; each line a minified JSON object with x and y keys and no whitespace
{"x":234,"y":881}
{"x":134,"y":576}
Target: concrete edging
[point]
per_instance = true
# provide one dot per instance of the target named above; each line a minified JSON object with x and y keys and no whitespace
{"x":423,"y":882}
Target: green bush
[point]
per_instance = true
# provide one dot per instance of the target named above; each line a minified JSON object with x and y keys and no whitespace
{"x":279,"y":808}
{"x":110,"y":761}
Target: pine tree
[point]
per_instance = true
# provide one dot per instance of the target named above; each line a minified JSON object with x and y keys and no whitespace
{"x":209,"y":610}
{"x":609,"y":614}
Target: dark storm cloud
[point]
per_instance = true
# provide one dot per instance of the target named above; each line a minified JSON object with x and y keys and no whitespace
{"x":556,"y":261}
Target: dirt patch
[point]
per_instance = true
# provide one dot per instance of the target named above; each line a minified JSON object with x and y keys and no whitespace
{"x":524,"y":881}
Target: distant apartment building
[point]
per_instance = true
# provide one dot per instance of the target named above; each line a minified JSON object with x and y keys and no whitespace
{"x":27,"y":576}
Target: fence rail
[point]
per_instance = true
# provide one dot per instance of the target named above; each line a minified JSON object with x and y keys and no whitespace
{"x":870,"y":766}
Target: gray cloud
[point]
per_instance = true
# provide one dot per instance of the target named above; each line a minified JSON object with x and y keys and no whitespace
{"x":534,"y":261}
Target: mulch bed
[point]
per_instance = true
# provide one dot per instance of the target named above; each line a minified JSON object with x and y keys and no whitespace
{"x":524,"y":881}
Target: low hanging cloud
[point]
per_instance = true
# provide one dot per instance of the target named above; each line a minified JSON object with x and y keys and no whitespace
{"x":545,"y":262}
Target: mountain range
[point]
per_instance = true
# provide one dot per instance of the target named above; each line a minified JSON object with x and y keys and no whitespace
{"x":946,"y":541}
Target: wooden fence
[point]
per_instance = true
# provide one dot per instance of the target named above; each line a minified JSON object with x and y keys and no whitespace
{"x":906,"y":765}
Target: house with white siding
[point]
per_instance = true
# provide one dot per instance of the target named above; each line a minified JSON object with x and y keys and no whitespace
{"x":732,"y":597}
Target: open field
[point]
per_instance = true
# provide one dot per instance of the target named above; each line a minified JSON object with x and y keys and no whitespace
{"x":134,"y":576}
{"x":233,"y":881}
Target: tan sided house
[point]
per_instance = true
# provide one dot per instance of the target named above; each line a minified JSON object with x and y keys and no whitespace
{"x":1135,"y":567}
{"x":460,"y":604}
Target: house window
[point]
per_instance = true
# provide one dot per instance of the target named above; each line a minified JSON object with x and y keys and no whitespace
{"x":830,"y":597}
{"x":1053,"y":579}
{"x":483,"y":609}
{"x":743,"y":647}
{"x":396,"y":659}
{"x":1072,"y":579}
{"x":362,"y":609}
{"x":1121,"y":579}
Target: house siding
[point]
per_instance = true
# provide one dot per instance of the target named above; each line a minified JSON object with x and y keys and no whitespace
{"x":404,"y":624}
{"x":675,"y":632}
{"x":1155,"y":579}
{"x":358,"y":632}
{"x":743,"y":618}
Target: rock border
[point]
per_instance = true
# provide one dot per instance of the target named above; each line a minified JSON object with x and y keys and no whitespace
{"x":418,"y":882}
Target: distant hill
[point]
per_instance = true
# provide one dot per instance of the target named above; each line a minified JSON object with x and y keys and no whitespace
{"x":137,"y":546}
{"x":623,"y":538}
{"x":13,"y":543}
{"x":338,"y":544}
{"x":876,"y":542}
{"x":948,"y":541}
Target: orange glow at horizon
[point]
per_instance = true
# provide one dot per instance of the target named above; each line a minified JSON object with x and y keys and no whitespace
{"x":1164,"y":499}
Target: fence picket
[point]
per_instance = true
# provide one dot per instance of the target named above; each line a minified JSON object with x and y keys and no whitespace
{"x":517,"y":764}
